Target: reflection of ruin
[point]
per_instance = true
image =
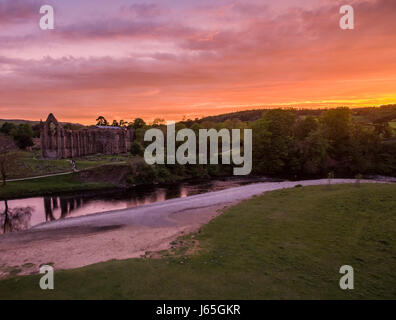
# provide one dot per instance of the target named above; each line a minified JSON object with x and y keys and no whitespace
{"x":58,"y":143}
{"x":66,"y":204}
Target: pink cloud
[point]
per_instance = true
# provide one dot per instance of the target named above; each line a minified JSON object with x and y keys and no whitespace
{"x":240,"y":54}
{"x":17,"y":11}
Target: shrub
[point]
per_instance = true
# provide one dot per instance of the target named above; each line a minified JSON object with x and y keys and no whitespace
{"x":136,"y":149}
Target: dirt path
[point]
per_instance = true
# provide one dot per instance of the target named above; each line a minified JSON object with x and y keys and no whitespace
{"x":38,"y":177}
{"x":122,"y":234}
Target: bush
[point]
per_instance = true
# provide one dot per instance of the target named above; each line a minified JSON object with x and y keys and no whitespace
{"x":163,"y":174}
{"x":136,"y":149}
{"x":23,"y":135}
{"x":141,"y":173}
{"x":7,"y":127}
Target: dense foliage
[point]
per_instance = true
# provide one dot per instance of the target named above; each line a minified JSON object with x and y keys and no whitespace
{"x":294,"y":143}
{"x":286,"y":142}
{"x":22,"y":134}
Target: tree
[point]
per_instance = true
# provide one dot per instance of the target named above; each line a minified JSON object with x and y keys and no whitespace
{"x":6,"y":224}
{"x":123,"y":123}
{"x":261,"y":141}
{"x":312,"y":151}
{"x":36,"y":130}
{"x":383,"y":128}
{"x":365,"y":146}
{"x":336,"y":125}
{"x":23,"y":136}
{"x":115,"y":123}
{"x":7,"y":127}
{"x":305,"y":127}
{"x":101,"y":121}
{"x":137,"y":149}
{"x":195,"y":127}
{"x":139,"y":136}
{"x":7,"y":156}
{"x":273,"y":142}
{"x":138,"y":123}
{"x":158,"y":122}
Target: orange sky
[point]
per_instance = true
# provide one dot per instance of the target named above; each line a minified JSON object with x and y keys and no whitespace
{"x":124,"y":59}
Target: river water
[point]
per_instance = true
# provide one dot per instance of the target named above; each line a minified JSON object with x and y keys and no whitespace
{"x":22,"y":214}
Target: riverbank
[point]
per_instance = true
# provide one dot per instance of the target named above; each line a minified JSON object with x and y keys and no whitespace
{"x":285,"y":244}
{"x":108,"y":176}
{"x":50,"y":186}
{"x":115,"y":176}
{"x":120,"y":234}
{"x":26,"y":213}
{"x":30,"y":164}
{"x":100,"y":172}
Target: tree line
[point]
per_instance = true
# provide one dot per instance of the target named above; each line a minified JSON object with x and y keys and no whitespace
{"x":290,"y":144}
{"x":286,"y":143}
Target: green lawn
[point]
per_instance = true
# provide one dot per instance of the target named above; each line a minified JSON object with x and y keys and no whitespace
{"x":287,"y":244}
{"x":29,"y":164}
{"x":103,"y":172}
{"x":97,"y":160}
{"x":47,"y":186}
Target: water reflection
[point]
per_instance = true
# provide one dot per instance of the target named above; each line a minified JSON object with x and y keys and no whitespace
{"x":15,"y":219}
{"x":22,"y":214}
{"x":60,"y":207}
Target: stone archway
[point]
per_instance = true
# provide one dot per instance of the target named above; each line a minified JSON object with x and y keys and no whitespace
{"x":51,"y":137}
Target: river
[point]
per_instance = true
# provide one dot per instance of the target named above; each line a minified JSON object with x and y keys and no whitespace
{"x":23,"y":214}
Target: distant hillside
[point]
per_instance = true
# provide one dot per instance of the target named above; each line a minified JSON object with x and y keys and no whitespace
{"x":18,"y":121}
{"x":387,"y":112}
{"x":252,"y":115}
{"x":365,"y":114}
{"x":31,"y":122}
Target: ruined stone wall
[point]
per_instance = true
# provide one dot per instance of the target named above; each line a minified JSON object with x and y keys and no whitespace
{"x":58,"y":143}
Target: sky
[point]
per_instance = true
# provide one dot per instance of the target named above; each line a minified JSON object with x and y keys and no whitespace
{"x":175,"y":59}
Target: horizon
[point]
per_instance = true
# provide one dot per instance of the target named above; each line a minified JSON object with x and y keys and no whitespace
{"x":127,"y":59}
{"x":93,"y":122}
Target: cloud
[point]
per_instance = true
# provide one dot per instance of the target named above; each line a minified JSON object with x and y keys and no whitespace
{"x":212,"y":56}
{"x":17,"y":11}
{"x":143,"y":10}
{"x":122,"y":28}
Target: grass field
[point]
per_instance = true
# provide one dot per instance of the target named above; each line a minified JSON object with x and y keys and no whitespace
{"x":47,"y":186}
{"x":29,"y":164}
{"x":95,"y":172}
{"x":287,"y":244}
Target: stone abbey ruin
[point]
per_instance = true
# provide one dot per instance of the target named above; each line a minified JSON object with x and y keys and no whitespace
{"x":59,"y":143}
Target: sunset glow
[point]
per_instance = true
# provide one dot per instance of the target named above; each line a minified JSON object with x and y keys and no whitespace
{"x":175,"y":58}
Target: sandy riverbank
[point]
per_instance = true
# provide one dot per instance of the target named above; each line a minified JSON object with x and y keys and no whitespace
{"x":122,"y":234}
{"x":73,"y":247}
